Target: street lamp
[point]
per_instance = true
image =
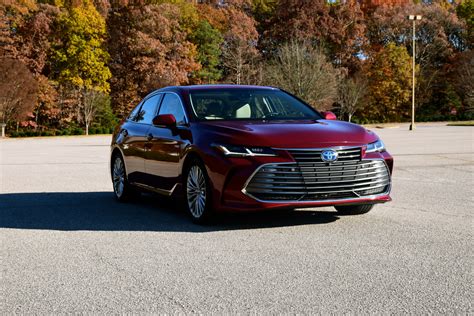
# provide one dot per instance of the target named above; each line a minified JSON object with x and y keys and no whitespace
{"x":414,"y":18}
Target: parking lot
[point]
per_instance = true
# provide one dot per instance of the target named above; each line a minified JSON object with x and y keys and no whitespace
{"x":67,"y":246}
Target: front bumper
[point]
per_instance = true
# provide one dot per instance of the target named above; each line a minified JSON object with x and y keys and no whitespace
{"x":231,"y":178}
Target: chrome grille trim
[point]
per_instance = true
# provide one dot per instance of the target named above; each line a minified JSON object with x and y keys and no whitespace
{"x":261,"y":180}
{"x":273,"y":188}
{"x":324,"y":192}
{"x":303,"y":181}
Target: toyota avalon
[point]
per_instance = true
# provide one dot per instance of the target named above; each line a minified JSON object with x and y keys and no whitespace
{"x":246,"y":148}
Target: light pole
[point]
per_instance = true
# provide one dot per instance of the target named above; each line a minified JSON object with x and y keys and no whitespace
{"x":414,"y":18}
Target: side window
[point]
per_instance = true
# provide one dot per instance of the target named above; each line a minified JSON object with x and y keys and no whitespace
{"x":148,"y":110}
{"x":172,"y":105}
{"x":134,"y":112}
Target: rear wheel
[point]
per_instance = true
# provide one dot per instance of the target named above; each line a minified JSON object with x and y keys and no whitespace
{"x":353,"y":209}
{"x":198,"y":192}
{"x":122,"y":188}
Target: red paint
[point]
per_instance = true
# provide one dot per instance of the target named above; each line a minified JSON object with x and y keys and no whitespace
{"x":328,"y":115}
{"x":166,"y":120}
{"x":156,"y":156}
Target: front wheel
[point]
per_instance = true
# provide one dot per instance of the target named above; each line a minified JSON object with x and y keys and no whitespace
{"x":353,"y":209}
{"x":122,"y":188}
{"x":198,"y":192}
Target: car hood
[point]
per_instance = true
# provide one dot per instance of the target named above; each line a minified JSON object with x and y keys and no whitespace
{"x":288,"y":134}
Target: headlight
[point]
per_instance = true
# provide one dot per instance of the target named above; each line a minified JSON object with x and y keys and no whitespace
{"x":242,"y":151}
{"x":377,"y":146}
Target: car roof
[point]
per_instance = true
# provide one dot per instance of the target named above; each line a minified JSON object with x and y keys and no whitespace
{"x":214,"y":87}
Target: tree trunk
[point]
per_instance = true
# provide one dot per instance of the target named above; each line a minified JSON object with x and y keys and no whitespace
{"x":238,"y":76}
{"x":36,"y":119}
{"x":350,"y":117}
{"x":87,"y":129}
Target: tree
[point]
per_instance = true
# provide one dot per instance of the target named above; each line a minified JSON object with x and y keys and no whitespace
{"x":389,"y":76}
{"x":18,"y":90}
{"x":339,"y":28}
{"x":12,"y":16}
{"x":465,"y":10}
{"x":438,"y":35}
{"x":305,"y":72}
{"x":460,"y":73}
{"x":92,"y":102}
{"x":350,"y":93}
{"x":35,"y":36}
{"x":149,"y":50}
{"x":208,"y":41}
{"x":263,"y":11}
{"x":237,"y":55}
{"x":79,"y":57}
{"x":239,"y":48}
{"x":46,"y":112}
{"x":30,"y":31}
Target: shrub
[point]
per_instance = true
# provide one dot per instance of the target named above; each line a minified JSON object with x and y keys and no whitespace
{"x":77,"y":131}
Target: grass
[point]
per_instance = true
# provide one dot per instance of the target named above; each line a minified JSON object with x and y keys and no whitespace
{"x":461,"y":123}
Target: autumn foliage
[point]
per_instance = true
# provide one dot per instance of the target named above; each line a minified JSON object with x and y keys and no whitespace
{"x":86,"y":63}
{"x":18,"y":90}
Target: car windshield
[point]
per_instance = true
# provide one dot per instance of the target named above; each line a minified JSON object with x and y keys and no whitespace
{"x":249,"y":104}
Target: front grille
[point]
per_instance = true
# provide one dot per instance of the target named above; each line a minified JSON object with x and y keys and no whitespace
{"x":305,"y":156}
{"x":311,"y":179}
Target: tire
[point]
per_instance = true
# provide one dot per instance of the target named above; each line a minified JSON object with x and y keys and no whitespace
{"x":123,"y":190}
{"x":354,"y":209}
{"x":197,"y":190}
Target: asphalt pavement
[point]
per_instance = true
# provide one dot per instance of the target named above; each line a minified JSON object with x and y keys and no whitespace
{"x":66,"y":246}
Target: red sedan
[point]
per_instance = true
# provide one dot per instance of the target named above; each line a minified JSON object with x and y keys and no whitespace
{"x":246,"y":148}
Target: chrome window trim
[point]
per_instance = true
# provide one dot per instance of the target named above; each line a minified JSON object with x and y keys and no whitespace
{"x":141,"y":104}
{"x":192,"y":104}
{"x":368,"y":197}
{"x":159,"y":106}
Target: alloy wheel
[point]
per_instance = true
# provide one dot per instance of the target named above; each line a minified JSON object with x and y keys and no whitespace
{"x":196,"y":191}
{"x":118,"y":177}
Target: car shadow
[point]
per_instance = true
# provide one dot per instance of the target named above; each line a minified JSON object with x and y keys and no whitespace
{"x":99,"y":211}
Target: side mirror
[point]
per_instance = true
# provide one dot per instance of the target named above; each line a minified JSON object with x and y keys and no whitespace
{"x":166,"y":120}
{"x":328,"y":115}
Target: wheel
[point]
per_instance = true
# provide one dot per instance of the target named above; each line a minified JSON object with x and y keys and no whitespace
{"x":122,"y":188}
{"x":198,"y":193}
{"x":353,"y":209}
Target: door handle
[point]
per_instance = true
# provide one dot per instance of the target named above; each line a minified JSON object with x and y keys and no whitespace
{"x":149,"y":137}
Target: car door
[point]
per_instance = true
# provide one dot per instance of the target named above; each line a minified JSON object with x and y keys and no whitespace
{"x":134,"y":133}
{"x":166,"y":145}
